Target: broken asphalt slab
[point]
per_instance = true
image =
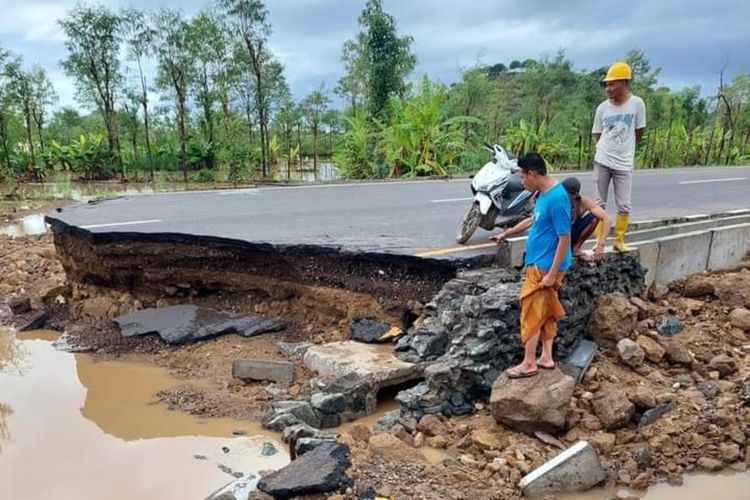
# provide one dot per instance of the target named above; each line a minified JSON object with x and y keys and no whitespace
{"x":188,"y":323}
{"x":320,"y":470}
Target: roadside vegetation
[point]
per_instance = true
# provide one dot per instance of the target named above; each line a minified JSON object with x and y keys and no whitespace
{"x":204,"y":98}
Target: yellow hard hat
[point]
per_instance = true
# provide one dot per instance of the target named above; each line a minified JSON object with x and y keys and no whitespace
{"x":619,"y":71}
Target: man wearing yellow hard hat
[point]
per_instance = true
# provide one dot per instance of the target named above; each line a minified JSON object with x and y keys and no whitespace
{"x":619,"y":122}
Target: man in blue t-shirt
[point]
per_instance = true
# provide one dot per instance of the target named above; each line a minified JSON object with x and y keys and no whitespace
{"x":548,"y":256}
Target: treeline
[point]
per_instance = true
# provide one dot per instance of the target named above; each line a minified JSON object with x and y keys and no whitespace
{"x":206,"y":97}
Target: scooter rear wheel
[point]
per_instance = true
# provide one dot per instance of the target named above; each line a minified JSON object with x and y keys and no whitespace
{"x":470,"y":224}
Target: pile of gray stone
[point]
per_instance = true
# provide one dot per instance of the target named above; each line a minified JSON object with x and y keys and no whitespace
{"x":471,"y":331}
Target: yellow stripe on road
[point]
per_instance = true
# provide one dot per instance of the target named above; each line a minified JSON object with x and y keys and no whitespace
{"x":445,"y":251}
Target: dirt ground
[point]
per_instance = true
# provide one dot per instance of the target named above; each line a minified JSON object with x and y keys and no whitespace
{"x":708,"y":428}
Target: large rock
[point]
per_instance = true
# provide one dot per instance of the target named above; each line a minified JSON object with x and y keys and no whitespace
{"x":368,"y":330}
{"x":263,"y":369}
{"x":372,"y":362}
{"x":669,"y":326}
{"x":321,"y":470}
{"x":734,"y":289}
{"x":698,"y":286}
{"x":32,"y":320}
{"x":532,"y":404}
{"x":19,"y":305}
{"x":302,"y":411}
{"x":740,"y":318}
{"x":359,"y":371}
{"x":614,"y":319}
{"x":630,"y":353}
{"x":724,"y":364}
{"x":188,"y":323}
{"x":613,"y":409}
{"x":677,"y":352}
{"x":432,"y":425}
{"x":390,"y":447}
{"x":576,"y":469}
{"x":654,"y":351}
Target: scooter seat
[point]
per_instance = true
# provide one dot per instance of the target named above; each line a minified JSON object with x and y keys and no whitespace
{"x":513,"y":187}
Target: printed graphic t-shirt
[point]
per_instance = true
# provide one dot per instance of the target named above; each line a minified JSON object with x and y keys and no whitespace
{"x":551,"y":219}
{"x":617,"y":124}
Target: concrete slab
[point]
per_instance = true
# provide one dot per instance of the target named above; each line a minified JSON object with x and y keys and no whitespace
{"x":375,"y":363}
{"x":683,"y":255}
{"x":729,"y":245}
{"x":263,"y":369}
{"x":648,"y":254}
{"x":577,"y":362}
{"x":576,"y":469}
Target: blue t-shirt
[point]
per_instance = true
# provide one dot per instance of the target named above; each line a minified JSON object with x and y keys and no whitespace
{"x":551,"y":219}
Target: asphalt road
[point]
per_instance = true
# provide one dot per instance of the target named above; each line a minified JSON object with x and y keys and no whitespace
{"x":413,"y":218}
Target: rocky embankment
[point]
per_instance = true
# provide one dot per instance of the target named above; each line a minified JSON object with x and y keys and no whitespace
{"x":668,"y":391}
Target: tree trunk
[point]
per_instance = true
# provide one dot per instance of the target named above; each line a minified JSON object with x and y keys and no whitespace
{"x":146,"y":129}
{"x":4,"y":139}
{"x":710,"y":144}
{"x":315,"y":151}
{"x":29,"y":129}
{"x":669,"y":134}
{"x":208,"y":116}
{"x":181,"y":133}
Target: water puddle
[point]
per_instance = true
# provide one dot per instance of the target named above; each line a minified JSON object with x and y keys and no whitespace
{"x":28,"y":226}
{"x":74,"y":428}
{"x":726,"y":486}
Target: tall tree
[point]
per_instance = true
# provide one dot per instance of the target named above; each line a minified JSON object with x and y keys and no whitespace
{"x":139,"y":37}
{"x":4,"y":107}
{"x":22,"y":94}
{"x":44,"y":98}
{"x":176,"y":68}
{"x":93,"y":43}
{"x":389,"y":57}
{"x":208,"y":43}
{"x":353,"y":85}
{"x":249,"y":21}
{"x":314,"y":107}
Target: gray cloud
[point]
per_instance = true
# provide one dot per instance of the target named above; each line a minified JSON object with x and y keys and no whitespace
{"x":689,"y":39}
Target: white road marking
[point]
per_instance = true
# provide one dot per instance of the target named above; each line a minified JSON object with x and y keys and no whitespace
{"x":116,"y":224}
{"x":450,"y":200}
{"x":703,"y":181}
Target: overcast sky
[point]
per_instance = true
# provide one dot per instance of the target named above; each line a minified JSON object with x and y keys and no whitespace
{"x":690,"y":40}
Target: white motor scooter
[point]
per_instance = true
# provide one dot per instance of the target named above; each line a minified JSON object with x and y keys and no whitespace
{"x":500,"y":199}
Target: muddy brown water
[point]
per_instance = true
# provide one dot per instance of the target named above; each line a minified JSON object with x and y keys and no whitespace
{"x":74,"y":428}
{"x":71,"y":427}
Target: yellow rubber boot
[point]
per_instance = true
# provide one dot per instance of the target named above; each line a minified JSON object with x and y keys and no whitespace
{"x":621,"y":226}
{"x":598,"y":230}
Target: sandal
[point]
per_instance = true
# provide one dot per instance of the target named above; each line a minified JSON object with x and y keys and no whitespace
{"x":515,"y":373}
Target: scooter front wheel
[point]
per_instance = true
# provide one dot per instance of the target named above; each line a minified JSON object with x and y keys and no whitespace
{"x":470,"y":224}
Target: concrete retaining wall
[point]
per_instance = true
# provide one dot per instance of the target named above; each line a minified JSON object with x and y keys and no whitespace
{"x":683,"y":255}
{"x":675,"y":248}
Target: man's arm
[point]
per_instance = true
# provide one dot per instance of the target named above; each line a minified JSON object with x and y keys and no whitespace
{"x":518,"y":228}
{"x":639,"y":133}
{"x":598,"y":136}
{"x":563,"y":245}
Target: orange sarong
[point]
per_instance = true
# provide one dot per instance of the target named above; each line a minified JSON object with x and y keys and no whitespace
{"x":540,"y":307}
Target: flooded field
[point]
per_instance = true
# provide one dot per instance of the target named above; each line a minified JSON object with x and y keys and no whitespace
{"x":74,"y":428}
